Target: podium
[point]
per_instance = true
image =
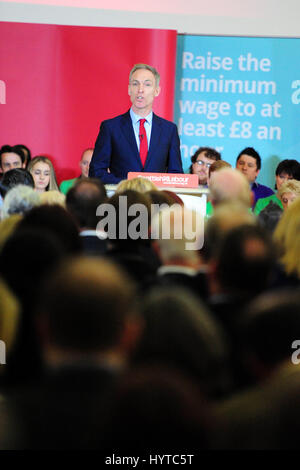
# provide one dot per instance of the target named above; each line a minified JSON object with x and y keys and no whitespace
{"x":194,"y":198}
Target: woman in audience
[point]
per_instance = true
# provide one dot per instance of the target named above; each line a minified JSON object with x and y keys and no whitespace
{"x":286,"y":170}
{"x":43,"y":174}
{"x":287,"y":238}
{"x":288,"y":192}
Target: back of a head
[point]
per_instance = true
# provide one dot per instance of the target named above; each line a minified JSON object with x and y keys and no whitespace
{"x":83,"y":199}
{"x":19,"y":200}
{"x":142,"y":185}
{"x":126,"y":208}
{"x":287,"y":240}
{"x":15,"y":177}
{"x":270,"y":325}
{"x":57,"y":221}
{"x":85,"y":304}
{"x":245,"y":260}
{"x":180,"y":332}
{"x":270,"y":216}
{"x":229,"y":184}
{"x":178,"y":232}
{"x":226,"y":217}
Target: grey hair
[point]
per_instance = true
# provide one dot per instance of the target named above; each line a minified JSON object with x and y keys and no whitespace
{"x":145,"y":67}
{"x":19,"y":200}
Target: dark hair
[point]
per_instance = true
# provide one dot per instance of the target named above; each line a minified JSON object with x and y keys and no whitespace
{"x":238,"y":270}
{"x":86,"y":301}
{"x":56,"y":220}
{"x":14,"y":177}
{"x":290,"y":167}
{"x":82,"y":201}
{"x":251,"y":152}
{"x":209,"y":153}
{"x":27,"y":152}
{"x":12,"y":149}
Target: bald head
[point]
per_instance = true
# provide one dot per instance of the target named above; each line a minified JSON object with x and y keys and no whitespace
{"x":228,"y":185}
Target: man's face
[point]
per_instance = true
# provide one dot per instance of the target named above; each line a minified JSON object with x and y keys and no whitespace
{"x":247,"y":165}
{"x":142,"y":91}
{"x":85,"y":163}
{"x":201,"y":166}
{"x":10,"y":161}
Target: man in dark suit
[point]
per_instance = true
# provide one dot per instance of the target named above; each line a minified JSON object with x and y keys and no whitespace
{"x":137,"y":140}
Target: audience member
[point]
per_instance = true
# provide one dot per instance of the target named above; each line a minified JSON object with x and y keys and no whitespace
{"x":19,"y":200}
{"x":43,"y":174}
{"x":286,"y":237}
{"x":179,"y":332}
{"x":56,"y":221}
{"x":177,"y":235}
{"x":216,"y":166}
{"x":10,"y":158}
{"x":286,"y":170}
{"x":84,"y":165}
{"x":82,"y":200}
{"x":249,"y":163}
{"x":14,"y":177}
{"x":87,"y":335}
{"x":53,"y":197}
{"x":288,"y":192}
{"x":142,"y":185}
{"x":227,"y":185}
{"x":202,"y":159}
{"x":26,"y":152}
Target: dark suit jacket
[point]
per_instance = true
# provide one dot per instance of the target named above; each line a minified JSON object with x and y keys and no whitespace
{"x":117,"y":150}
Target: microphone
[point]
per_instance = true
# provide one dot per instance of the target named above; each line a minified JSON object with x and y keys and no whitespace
{"x":141,"y":136}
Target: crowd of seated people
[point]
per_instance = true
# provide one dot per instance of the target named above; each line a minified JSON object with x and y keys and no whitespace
{"x":131,"y":322}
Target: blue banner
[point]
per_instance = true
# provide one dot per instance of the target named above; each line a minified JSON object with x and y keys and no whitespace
{"x":237,"y":92}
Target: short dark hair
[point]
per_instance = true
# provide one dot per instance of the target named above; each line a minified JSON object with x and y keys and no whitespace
{"x":12,"y":149}
{"x":86,"y":302}
{"x":209,"y":153}
{"x":23,"y":147}
{"x":251,"y":152}
{"x":14,"y":177}
{"x":82,"y":202}
{"x":288,"y":166}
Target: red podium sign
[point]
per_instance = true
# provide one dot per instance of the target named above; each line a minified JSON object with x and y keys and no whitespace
{"x":175,"y":180}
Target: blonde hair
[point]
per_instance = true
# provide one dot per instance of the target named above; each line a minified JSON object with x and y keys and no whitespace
{"x":141,"y":185}
{"x":53,"y":197}
{"x":7,"y":228}
{"x":287,"y":239}
{"x":290,"y":186}
{"x":9,"y":316}
{"x":52,"y":182}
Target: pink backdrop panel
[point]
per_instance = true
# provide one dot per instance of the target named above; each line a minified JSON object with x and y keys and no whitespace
{"x":59,"y":82}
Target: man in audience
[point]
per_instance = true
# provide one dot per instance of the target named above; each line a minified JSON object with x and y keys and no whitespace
{"x":177,"y":235}
{"x":249,"y":163}
{"x":14,"y":177}
{"x":229,"y":185}
{"x":84,"y":165}
{"x":201,"y":161}
{"x":88,"y":326}
{"x":10,"y":158}
{"x":82,"y":201}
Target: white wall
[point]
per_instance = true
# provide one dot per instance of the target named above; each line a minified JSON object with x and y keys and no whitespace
{"x":216,"y":17}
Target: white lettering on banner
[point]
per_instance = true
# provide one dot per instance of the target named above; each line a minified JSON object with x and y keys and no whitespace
{"x":2,"y":92}
{"x":209,"y":62}
{"x":221,"y":85}
{"x":296,"y":94}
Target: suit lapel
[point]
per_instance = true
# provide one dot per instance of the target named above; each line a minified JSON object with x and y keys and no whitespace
{"x":127,"y":129}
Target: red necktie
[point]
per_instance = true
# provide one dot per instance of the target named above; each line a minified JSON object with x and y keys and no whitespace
{"x":143,"y":142}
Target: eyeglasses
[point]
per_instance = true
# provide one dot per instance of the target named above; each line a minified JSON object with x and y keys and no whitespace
{"x":200,"y":162}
